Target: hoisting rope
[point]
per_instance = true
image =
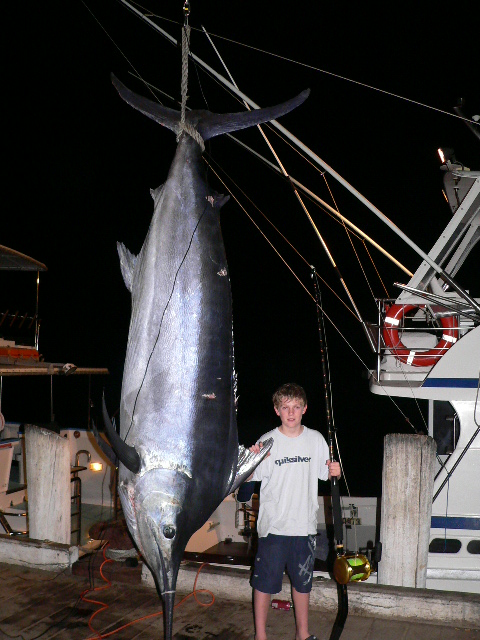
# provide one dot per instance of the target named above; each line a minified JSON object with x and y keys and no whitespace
{"x":183,"y":124}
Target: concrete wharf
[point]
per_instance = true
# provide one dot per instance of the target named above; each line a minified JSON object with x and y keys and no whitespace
{"x":43,"y":604}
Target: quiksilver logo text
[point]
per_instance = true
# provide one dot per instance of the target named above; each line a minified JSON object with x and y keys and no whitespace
{"x":295,"y":459}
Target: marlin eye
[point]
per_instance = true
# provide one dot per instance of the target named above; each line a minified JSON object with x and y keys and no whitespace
{"x":169,"y":531}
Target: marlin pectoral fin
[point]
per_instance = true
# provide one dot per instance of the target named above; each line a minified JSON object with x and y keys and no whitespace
{"x":125,"y":453}
{"x":127,"y":264}
{"x":128,"y":512}
{"x":248,"y":462}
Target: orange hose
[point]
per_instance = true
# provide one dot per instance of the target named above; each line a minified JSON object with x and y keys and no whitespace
{"x":99,"y":636}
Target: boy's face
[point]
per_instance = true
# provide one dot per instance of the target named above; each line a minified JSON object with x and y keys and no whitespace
{"x":290,"y":411}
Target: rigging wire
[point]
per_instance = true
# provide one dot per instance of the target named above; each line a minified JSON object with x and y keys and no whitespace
{"x":310,"y":66}
{"x":149,"y":88}
{"x":301,"y":202}
{"x":280,"y":233}
{"x":343,"y":337}
{"x":308,"y":215}
{"x":324,"y":206}
{"x":331,"y":259}
{"x":375,"y":267}
{"x":349,"y":238}
{"x":274,"y":227}
{"x":139,"y":76}
{"x":313,"y":198}
{"x":446,"y":277}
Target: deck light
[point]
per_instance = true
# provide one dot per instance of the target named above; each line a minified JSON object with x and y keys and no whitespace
{"x":446,"y":154}
{"x":95,"y":466}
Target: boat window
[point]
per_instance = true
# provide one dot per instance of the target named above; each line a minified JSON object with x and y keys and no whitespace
{"x":445,"y":545}
{"x":473,"y":546}
{"x":446,"y":427}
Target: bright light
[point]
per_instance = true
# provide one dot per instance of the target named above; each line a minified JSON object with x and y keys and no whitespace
{"x":447,"y":155}
{"x":96,"y":466}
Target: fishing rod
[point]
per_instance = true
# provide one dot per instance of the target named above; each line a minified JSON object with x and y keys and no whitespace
{"x":336,"y":506}
{"x":345,"y":568}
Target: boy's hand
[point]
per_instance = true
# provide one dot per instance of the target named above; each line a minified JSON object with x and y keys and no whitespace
{"x":333,"y":469}
{"x":255,"y":448}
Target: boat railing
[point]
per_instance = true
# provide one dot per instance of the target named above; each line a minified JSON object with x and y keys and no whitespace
{"x":414,"y":334}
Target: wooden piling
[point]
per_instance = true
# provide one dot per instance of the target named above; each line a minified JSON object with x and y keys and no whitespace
{"x":407,"y":490}
{"x":48,"y":485}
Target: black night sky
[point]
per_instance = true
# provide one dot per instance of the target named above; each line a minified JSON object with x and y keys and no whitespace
{"x":80,"y":164}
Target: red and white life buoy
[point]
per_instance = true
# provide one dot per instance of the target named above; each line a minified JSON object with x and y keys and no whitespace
{"x":428,"y":358}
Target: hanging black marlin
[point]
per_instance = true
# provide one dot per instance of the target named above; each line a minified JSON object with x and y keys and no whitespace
{"x":178,"y":444}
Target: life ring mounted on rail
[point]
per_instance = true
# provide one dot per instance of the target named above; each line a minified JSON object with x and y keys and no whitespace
{"x":416,"y":358}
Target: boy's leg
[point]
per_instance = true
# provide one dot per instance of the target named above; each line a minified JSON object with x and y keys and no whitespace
{"x":267,"y":577}
{"x":300,"y":569}
{"x":261,"y":605}
{"x":300,"y":603}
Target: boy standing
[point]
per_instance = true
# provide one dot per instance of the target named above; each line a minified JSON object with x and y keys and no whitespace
{"x":287,"y":521}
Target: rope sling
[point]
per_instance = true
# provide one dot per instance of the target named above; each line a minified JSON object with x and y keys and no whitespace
{"x":183,"y":125}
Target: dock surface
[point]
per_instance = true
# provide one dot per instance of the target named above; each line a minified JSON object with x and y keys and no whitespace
{"x":40,"y":604}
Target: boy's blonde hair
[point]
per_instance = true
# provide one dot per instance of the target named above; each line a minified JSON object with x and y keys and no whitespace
{"x":289,"y":391}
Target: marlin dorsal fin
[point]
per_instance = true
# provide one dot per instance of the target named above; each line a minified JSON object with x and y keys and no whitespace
{"x":127,"y":264}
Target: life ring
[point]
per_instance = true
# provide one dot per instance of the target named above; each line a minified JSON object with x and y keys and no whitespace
{"x":428,"y":358}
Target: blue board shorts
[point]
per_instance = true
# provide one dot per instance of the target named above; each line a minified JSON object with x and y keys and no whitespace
{"x":296,"y":553}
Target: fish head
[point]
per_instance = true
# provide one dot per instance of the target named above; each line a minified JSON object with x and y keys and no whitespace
{"x":159,"y":499}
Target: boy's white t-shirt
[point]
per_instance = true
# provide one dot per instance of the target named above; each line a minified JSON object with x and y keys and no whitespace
{"x":289,"y":477}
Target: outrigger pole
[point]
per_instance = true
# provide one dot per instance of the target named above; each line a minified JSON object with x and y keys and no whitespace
{"x":320,"y":162}
{"x":336,"y":506}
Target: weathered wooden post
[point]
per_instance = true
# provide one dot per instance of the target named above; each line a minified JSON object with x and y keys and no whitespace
{"x":407,"y":490}
{"x":48,"y":485}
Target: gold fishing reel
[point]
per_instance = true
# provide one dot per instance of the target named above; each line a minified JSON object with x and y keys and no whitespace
{"x":354,"y":568}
